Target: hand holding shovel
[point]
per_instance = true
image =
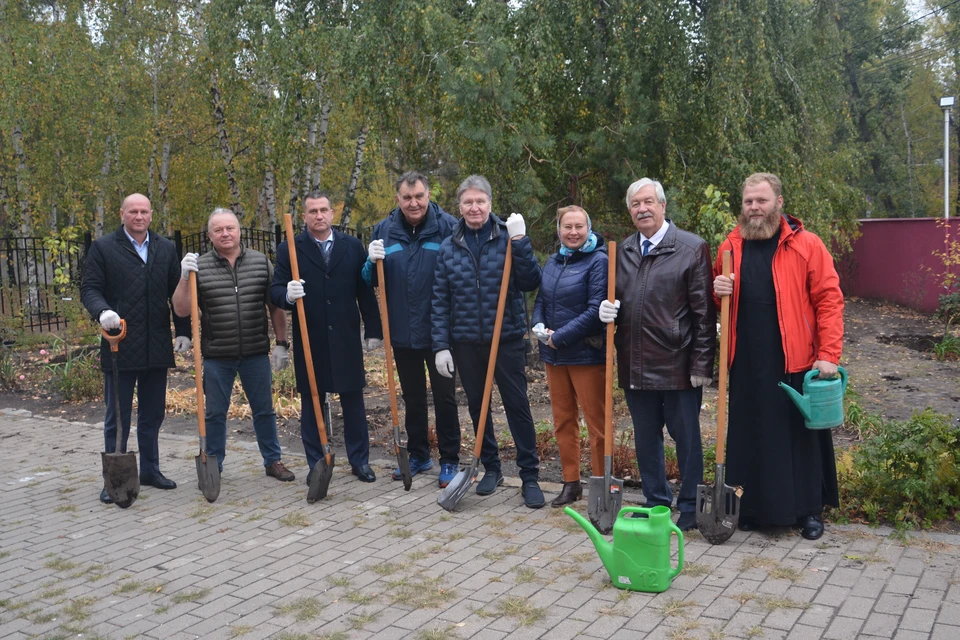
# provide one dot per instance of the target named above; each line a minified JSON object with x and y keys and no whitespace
{"x":120,"y":476}
{"x":208,"y":470}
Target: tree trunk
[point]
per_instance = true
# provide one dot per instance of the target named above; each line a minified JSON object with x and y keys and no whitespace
{"x":308,"y":167}
{"x":267,"y":207}
{"x":23,"y":200}
{"x":102,"y":190}
{"x":226,"y":151}
{"x":162,"y":184}
{"x":322,"y":139}
{"x":354,"y":177}
{"x":294,"y":192}
{"x":27,"y":263}
{"x":906,"y":133}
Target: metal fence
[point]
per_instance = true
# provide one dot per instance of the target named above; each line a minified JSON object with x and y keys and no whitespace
{"x":39,"y":279}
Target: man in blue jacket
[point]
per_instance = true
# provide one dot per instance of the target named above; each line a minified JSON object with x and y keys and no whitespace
{"x":408,"y":241}
{"x":465,"y":295}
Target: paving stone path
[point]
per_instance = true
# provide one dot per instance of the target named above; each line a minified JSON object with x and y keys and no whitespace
{"x":374,"y":561}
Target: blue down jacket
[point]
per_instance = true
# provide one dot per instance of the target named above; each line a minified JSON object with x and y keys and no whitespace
{"x":571,"y":289}
{"x":409,"y":269}
{"x":466,"y":287}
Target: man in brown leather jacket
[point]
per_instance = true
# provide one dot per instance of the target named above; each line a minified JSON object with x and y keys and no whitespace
{"x":666,"y":338}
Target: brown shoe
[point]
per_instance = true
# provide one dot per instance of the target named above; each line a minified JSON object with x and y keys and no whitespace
{"x":280,"y":472}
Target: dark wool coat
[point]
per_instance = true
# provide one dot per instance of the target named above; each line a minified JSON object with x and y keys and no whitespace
{"x":116,"y":279}
{"x":467,"y":287}
{"x":409,"y":268}
{"x":336,"y":299}
{"x":571,"y":290}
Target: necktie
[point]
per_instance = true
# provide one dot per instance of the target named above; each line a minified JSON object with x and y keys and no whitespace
{"x":646,"y":246}
{"x":325,"y":251}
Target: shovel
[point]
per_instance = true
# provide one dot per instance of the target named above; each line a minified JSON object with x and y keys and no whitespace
{"x":403,"y":458}
{"x":718,"y":505}
{"x":120,"y":476}
{"x":208,"y":471}
{"x":606,"y":492}
{"x":454,"y":492}
{"x":321,"y":474}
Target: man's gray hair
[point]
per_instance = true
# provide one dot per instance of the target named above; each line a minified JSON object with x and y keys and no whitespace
{"x":640,"y":184}
{"x":411,"y":178}
{"x":217,"y":212}
{"x":475,"y":182}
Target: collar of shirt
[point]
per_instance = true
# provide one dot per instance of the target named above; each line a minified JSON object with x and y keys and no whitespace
{"x":141,"y":248}
{"x":324,"y":245}
{"x":657,"y":237}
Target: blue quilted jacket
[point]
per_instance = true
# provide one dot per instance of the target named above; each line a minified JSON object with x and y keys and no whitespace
{"x":571,"y":290}
{"x":467,"y":286}
{"x":409,"y":270}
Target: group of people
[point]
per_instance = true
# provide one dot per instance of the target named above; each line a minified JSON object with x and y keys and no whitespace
{"x":442,"y":283}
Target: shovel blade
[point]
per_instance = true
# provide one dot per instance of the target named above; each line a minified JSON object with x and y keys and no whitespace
{"x":320,"y":480}
{"x":718,"y":509}
{"x":208,"y":476}
{"x":604,"y":502}
{"x":453,"y":493}
{"x":121,"y":478}
{"x":403,"y":460}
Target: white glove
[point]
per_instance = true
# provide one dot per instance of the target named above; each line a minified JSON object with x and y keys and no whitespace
{"x":109,"y":320}
{"x":280,"y":359}
{"x":188,"y":264}
{"x":373,"y":343}
{"x":608,"y":311}
{"x":295,"y":291}
{"x":182,"y":343}
{"x":444,"y":362}
{"x":543,"y":334}
{"x":700,"y":381}
{"x":516,"y":226}
{"x":375,"y":251}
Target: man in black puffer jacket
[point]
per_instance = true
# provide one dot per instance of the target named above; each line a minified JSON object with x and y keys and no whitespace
{"x":132,"y":274}
{"x":465,"y":295}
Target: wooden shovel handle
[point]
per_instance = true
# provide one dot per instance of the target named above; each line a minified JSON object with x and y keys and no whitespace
{"x":197,"y":358}
{"x":611,"y":328}
{"x":114,"y":341}
{"x":722,"y":379}
{"x":494,"y":347}
{"x":387,"y":348}
{"x":305,"y":337}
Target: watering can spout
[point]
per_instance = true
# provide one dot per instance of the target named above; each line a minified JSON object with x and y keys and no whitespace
{"x":803,"y":403}
{"x":604,"y":548}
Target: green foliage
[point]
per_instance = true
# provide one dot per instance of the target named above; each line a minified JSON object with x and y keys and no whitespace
{"x":948,"y":348}
{"x":715,"y":219}
{"x":60,"y":247}
{"x":78,"y":378}
{"x":949,"y":308}
{"x":907,"y":472}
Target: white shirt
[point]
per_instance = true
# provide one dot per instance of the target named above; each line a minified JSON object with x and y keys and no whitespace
{"x":141,"y":248}
{"x":657,"y":237}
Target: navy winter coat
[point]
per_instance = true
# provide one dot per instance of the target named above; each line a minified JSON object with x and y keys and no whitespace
{"x":336,"y":298}
{"x":571,"y":290}
{"x":409,"y":269}
{"x":467,"y":287}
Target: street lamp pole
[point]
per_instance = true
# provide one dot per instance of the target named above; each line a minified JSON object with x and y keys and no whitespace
{"x":946,"y":103}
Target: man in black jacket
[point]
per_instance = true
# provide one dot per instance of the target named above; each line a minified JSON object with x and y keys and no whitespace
{"x":233,"y":291}
{"x":132,"y":274}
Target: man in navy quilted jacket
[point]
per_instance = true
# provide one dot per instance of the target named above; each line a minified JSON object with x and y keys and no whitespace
{"x":465,"y":295}
{"x":408,"y":241}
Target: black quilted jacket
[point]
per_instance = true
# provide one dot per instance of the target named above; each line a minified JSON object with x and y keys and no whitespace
{"x":114,"y":277}
{"x":466,"y":287}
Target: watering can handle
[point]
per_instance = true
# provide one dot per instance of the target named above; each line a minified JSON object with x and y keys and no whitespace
{"x":643,"y":510}
{"x":813,"y":373}
{"x":676,"y":530}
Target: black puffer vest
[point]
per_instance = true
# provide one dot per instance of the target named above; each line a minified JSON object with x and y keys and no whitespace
{"x":234,"y":320}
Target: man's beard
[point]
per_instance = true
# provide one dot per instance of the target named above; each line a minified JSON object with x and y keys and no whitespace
{"x":764,"y":230}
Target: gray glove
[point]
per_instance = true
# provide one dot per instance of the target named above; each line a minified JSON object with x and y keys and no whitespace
{"x":182,"y":343}
{"x":700,"y":381}
{"x":373,"y":343}
{"x":109,"y":320}
{"x":295,"y":291}
{"x":444,"y":362}
{"x":608,"y":312}
{"x":280,"y":359}
{"x":188,"y":264}
{"x":543,"y":334}
{"x":376,"y":251}
{"x":516,"y":227}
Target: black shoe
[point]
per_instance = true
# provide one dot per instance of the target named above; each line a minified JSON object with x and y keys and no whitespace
{"x":811,"y":527}
{"x":747,"y":525}
{"x":364,"y":473}
{"x":687,"y":521}
{"x":489,"y":482}
{"x":158,"y":481}
{"x":105,"y":497}
{"x":532,"y":495}
{"x":571,"y":492}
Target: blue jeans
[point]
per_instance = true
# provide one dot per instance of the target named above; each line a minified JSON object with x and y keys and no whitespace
{"x":680,"y":411}
{"x":257,"y":382}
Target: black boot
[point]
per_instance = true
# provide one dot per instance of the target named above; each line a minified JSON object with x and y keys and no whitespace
{"x":571,"y":492}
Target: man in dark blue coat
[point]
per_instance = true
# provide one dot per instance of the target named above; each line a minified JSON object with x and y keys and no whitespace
{"x":465,"y":295}
{"x":408,"y":241}
{"x":132,"y":274}
{"x":335,"y":298}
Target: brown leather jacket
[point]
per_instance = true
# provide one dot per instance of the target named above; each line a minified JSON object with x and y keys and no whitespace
{"x":666,"y":327}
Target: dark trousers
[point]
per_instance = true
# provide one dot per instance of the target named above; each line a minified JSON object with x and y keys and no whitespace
{"x":413,"y":385}
{"x":355,"y":435}
{"x":680,"y":411}
{"x":151,"y":385}
{"x":471,"y":361}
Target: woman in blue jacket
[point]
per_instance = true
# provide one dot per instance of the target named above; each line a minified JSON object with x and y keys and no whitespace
{"x":573,"y":284}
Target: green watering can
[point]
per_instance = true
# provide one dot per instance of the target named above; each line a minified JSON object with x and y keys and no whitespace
{"x":639,"y":558}
{"x":822,"y":401}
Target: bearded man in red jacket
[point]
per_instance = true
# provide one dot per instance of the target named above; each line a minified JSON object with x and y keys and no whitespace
{"x":786,"y":319}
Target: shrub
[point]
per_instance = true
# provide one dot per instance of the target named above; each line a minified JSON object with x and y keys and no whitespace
{"x":78,"y":378}
{"x":907,"y":472}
